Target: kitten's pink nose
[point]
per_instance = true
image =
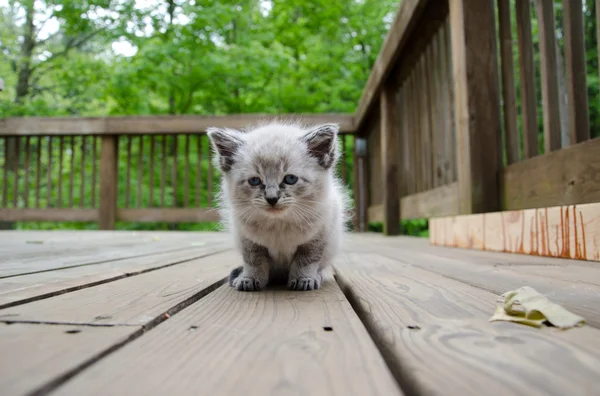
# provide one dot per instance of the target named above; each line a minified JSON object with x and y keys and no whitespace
{"x":272,"y":200}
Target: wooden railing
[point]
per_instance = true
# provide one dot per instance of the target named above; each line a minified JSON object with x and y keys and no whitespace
{"x":130,"y":169}
{"x":446,"y":135}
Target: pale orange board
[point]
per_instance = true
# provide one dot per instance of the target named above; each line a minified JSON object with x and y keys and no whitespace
{"x":564,"y":231}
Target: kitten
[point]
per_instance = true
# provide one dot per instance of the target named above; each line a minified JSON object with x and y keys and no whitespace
{"x":281,"y":202}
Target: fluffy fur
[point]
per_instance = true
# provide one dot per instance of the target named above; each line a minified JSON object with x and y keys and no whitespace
{"x":287,"y":229}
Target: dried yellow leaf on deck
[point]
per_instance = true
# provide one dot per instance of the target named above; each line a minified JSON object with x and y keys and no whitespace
{"x":526,"y":306}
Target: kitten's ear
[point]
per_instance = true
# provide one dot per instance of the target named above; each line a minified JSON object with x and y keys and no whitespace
{"x":225,"y":142}
{"x":322,"y":143}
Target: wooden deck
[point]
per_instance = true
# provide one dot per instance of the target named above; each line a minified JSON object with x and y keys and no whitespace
{"x":128,"y":313}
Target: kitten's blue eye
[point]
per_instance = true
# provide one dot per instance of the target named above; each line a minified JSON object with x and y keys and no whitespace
{"x":290,"y":179}
{"x":254,"y":181}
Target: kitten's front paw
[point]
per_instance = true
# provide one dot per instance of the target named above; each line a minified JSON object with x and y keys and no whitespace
{"x":304,"y":283}
{"x":246,"y":283}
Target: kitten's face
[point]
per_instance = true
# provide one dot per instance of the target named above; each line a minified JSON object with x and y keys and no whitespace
{"x":278,"y":170}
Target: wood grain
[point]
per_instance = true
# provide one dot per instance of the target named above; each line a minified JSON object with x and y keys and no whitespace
{"x":527,"y":79}
{"x":164,"y":124}
{"x":27,"y":171}
{"x":577,"y":91}
{"x":435,"y":334}
{"x":169,"y":215}
{"x":570,"y":177}
{"x":38,"y":354}
{"x":140,"y":171}
{"x":134,"y":301}
{"x":565,"y":231}
{"x":509,"y":95}
{"x":390,"y":162}
{"x":278,"y":341}
{"x":108,"y":182}
{"x":476,"y":101}
{"x":19,"y":290}
{"x":548,"y":67}
{"x":407,"y":19}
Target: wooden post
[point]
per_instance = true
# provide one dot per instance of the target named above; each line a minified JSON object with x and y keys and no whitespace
{"x":360,"y":191}
{"x":108,"y":182}
{"x":477,"y":104}
{"x":579,"y":118}
{"x":390,"y":158}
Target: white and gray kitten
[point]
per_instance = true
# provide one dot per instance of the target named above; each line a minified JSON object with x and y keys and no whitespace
{"x":282,"y":202}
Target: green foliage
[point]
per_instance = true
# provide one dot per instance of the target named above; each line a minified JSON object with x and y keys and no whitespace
{"x":198,"y":57}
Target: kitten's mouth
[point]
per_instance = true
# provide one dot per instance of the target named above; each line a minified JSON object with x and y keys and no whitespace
{"x":277,"y":209}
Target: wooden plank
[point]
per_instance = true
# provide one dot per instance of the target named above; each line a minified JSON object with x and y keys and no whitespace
{"x":132,"y":301}
{"x":175,"y":154}
{"x":563,"y":231}
{"x":170,"y":215}
{"x":569,"y":178}
{"x":390,"y":161}
{"x":5,"y":178}
{"x":49,"y":202}
{"x":38,"y":171}
{"x":439,"y":141}
{"x":16,"y":173}
{"x":447,"y":98}
{"x":527,"y":79}
{"x":56,"y":126}
{"x":164,"y":124}
{"x":548,"y":67}
{"x":209,"y":182}
{"x":128,"y":175}
{"x":440,"y":201}
{"x":509,"y":95}
{"x":407,"y":18}
{"x":140,"y":171}
{"x":186,"y":174}
{"x":579,"y":117}
{"x":27,"y":171}
{"x":108,"y":182}
{"x":199,"y":171}
{"x":72,"y":171}
{"x":61,"y":149}
{"x":437,"y":338}
{"x":305,"y":343}
{"x":23,"y":289}
{"x":48,"y":214}
{"x":425,"y":133}
{"x":94,"y":150}
{"x":82,"y":174}
{"x":151,"y":181}
{"x":476,"y":100}
{"x":163,"y":170}
{"x":39,"y":353}
{"x":499,"y":272}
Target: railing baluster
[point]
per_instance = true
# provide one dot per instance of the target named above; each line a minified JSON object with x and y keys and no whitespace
{"x":140,"y":174}
{"x":527,"y":79}
{"x":549,"y":71}
{"x":27,"y":160}
{"x":38,"y":171}
{"x":16,"y":172}
{"x":72,"y":172}
{"x":128,"y":172}
{"x":61,"y":147}
{"x":151,"y":181}
{"x":579,"y":117}
{"x":509,"y":101}
{"x":5,"y":178}
{"x":163,"y":170}
{"x":94,"y":169}
{"x":199,"y":172}
{"x":174,"y":170}
{"x":209,"y":182}
{"x":49,"y":174}
{"x":186,"y":183}
{"x":82,"y":174}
